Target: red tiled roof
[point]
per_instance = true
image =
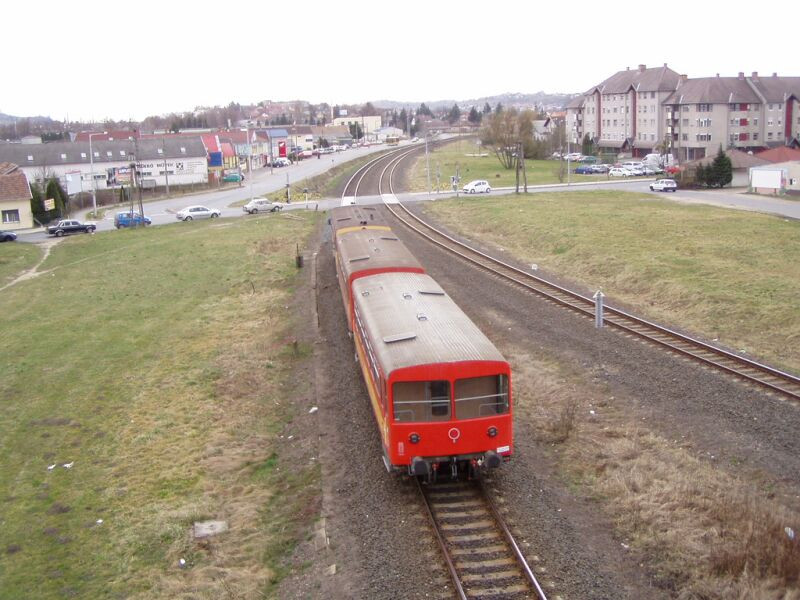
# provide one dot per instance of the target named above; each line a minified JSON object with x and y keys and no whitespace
{"x":211,"y":143}
{"x":227,"y":150}
{"x":780,"y":154}
{"x":14,"y":185}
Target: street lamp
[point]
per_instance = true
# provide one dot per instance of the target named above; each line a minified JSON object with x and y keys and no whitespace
{"x":91,"y":167}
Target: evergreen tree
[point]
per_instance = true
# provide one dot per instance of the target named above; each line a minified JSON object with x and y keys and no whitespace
{"x":587,"y":147}
{"x":498,"y":109}
{"x":355,"y":131}
{"x":454,"y":114}
{"x":424,"y":110}
{"x":56,"y":192}
{"x":721,"y":170}
{"x":474,"y":116}
{"x":403,"y":119}
{"x":701,"y":174}
{"x":487,"y":109}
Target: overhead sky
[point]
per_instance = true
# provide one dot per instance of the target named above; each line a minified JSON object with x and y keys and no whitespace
{"x":89,"y":59}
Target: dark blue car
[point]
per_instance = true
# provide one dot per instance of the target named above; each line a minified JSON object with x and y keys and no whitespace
{"x":130,"y":219}
{"x":584,"y":170}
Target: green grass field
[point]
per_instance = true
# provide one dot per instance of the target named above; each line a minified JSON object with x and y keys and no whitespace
{"x":729,"y":275}
{"x":465,"y":155}
{"x":158,"y":363}
{"x":16,"y":257}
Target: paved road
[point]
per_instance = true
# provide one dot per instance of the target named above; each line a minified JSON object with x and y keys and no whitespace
{"x":163,"y":211}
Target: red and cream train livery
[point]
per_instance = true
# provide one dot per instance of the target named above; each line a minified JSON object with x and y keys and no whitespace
{"x":440,"y":390}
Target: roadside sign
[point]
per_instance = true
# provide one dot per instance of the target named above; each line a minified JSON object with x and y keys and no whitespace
{"x":49,"y":204}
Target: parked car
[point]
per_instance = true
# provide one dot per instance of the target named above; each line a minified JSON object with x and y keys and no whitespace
{"x":67,"y":226}
{"x":648,"y":171}
{"x":619,"y":172}
{"x":600,"y":168}
{"x":635,"y":170}
{"x":196,"y":212}
{"x":258,"y":205}
{"x":479,"y":185}
{"x":584,"y":170}
{"x":328,"y":150}
{"x":130,"y":219}
{"x":281,"y":162}
{"x":7,"y":236}
{"x":588,"y":159}
{"x":233,"y":177}
{"x":573,"y":156}
{"x":664,"y":185}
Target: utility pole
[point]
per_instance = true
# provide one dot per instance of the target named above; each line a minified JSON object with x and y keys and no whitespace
{"x":519,"y":144}
{"x":250,"y":161}
{"x":524,"y":172}
{"x":427,"y":165}
{"x":166,"y":172}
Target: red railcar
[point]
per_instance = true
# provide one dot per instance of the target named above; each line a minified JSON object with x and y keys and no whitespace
{"x":440,"y":390}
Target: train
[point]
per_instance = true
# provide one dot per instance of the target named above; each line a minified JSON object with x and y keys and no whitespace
{"x":439,"y":390}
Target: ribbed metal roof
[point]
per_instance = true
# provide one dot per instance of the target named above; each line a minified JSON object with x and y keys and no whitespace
{"x":660,"y":79}
{"x":414,"y":322}
{"x":356,"y":216}
{"x":368,"y":249}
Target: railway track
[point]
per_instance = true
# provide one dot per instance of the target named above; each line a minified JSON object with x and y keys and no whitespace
{"x":484,"y":560}
{"x":753,"y":372}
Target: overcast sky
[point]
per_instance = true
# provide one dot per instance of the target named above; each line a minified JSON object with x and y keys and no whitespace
{"x":91,"y":60}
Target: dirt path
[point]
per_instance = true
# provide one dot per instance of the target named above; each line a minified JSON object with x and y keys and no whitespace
{"x":47,"y":245}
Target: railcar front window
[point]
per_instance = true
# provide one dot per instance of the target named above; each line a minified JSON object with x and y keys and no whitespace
{"x":481,"y":396}
{"x":420,"y":401}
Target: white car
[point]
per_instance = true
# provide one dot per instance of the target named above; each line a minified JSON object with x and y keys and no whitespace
{"x":480,"y":185}
{"x":664,"y":185}
{"x":619,"y":172}
{"x":257,"y":205}
{"x":196,"y":212}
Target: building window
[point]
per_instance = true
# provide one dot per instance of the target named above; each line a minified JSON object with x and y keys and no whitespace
{"x":83,"y":154}
{"x":770,"y":106}
{"x":685,"y":108}
{"x":755,"y":121}
{"x":11,"y":216}
{"x":769,"y":122}
{"x":755,"y":137}
{"x":685,"y":137}
{"x":769,"y":135}
{"x":652,"y":137}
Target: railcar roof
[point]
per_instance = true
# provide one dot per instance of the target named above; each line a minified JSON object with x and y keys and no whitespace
{"x":356,"y":216}
{"x":412,"y":321}
{"x":368,"y":249}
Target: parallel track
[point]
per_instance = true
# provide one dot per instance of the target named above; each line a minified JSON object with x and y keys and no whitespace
{"x":482,"y":556}
{"x":723,"y":360}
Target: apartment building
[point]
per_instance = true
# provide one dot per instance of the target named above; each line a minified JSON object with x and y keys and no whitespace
{"x":650,"y":110}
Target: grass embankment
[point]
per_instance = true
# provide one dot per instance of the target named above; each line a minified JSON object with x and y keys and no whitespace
{"x":464,"y":154}
{"x":729,"y":275}
{"x":16,"y":257}
{"x":703,"y":529}
{"x":159,"y":364}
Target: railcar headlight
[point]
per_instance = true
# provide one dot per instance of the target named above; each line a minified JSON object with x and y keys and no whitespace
{"x":414,"y":438}
{"x":492,"y":431}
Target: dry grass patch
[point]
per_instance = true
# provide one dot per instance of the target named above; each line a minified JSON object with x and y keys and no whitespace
{"x":702,"y":531}
{"x":726,"y":274}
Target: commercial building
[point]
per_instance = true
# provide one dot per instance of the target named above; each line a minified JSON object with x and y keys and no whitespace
{"x":177,"y":161}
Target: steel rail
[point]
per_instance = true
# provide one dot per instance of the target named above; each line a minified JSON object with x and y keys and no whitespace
{"x":526,"y":574}
{"x":766,"y":376}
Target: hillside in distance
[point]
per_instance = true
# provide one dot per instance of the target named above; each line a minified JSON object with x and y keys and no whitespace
{"x":510,"y":99}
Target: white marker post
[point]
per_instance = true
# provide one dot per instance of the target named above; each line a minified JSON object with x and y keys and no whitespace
{"x":598,"y":309}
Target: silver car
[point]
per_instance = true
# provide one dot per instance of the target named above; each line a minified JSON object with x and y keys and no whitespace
{"x":258,"y":205}
{"x":196,"y":212}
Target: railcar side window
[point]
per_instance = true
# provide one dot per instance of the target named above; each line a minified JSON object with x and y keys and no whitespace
{"x":481,"y":396}
{"x":419,"y":401}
